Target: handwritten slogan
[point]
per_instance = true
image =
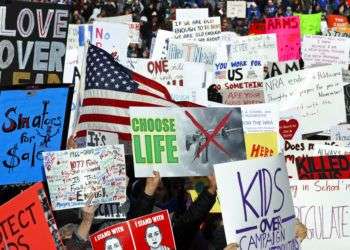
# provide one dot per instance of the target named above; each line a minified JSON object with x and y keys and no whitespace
{"x":259,"y":193}
{"x":32,"y":43}
{"x":74,"y":175}
{"x":28,"y":130}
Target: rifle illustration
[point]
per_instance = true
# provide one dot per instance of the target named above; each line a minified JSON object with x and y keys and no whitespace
{"x":198,"y":139}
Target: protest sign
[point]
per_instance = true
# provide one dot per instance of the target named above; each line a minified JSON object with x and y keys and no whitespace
{"x":134,"y":32}
{"x":240,"y":81}
{"x":185,"y":141}
{"x":236,"y":9}
{"x":33,"y":43}
{"x":191,"y":94}
{"x":346,"y":76}
{"x":192,"y":52}
{"x":322,"y":50}
{"x":334,"y":32}
{"x":32,"y":121}
{"x":117,"y":236}
{"x":287,"y":30}
{"x":197,"y":13}
{"x":74,"y":175}
{"x":100,"y":138}
{"x":24,"y":216}
{"x":325,"y":230}
{"x":116,"y":19}
{"x":153,"y":231}
{"x":202,"y":30}
{"x":263,"y":47}
{"x":107,"y":36}
{"x":278,"y":68}
{"x":334,"y":21}
{"x":310,"y":24}
{"x":257,"y":28}
{"x":196,"y":76}
{"x":161,"y":44}
{"x":216,"y":207}
{"x":260,"y":213}
{"x":110,"y":211}
{"x":341,"y":133}
{"x":315,"y":92}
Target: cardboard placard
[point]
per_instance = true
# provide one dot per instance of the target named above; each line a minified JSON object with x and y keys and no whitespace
{"x":278,"y":68}
{"x":323,"y":50}
{"x":259,"y":211}
{"x":24,"y":216}
{"x":334,"y":21}
{"x":197,"y":13}
{"x":33,"y":43}
{"x":287,"y":30}
{"x":32,"y":121}
{"x":202,"y":30}
{"x":74,"y":175}
{"x":161,"y":44}
{"x":236,"y":9}
{"x":257,"y":28}
{"x":100,"y":138}
{"x":310,"y":24}
{"x":316,"y":92}
{"x":341,"y":133}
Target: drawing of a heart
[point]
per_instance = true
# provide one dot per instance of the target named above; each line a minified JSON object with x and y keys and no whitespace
{"x":288,"y":128}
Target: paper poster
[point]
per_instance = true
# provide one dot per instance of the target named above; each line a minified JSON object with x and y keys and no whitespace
{"x":287,"y":30}
{"x":257,"y":27}
{"x":152,"y":231}
{"x":73,"y":175}
{"x":259,"y":46}
{"x":192,"y":52}
{"x":26,"y":215}
{"x":202,"y":30}
{"x":116,"y":237}
{"x":310,"y":24}
{"x":196,"y":75}
{"x":33,"y":43}
{"x":185,"y":141}
{"x":161,"y":45}
{"x":334,"y":32}
{"x":134,"y":32}
{"x":315,"y":92}
{"x":322,"y":50}
{"x":236,"y":9}
{"x":198,"y":96}
{"x":278,"y":68}
{"x":341,"y":133}
{"x":101,"y":138}
{"x":166,"y":72}
{"x":334,"y":21}
{"x":107,"y":36}
{"x":116,"y":19}
{"x":28,"y":130}
{"x":197,"y":13}
{"x":240,"y":81}
{"x":111,"y":211}
{"x":258,"y":192}
{"x":325,"y":218}
{"x":261,"y":144}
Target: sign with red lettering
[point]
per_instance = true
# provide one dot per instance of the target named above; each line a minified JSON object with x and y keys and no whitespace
{"x":257,"y":28}
{"x":287,"y":30}
{"x":26,"y":215}
{"x":152,"y":231}
{"x":288,"y":128}
{"x":323,"y":167}
{"x":334,"y":21}
{"x":114,"y":237}
{"x":33,"y":42}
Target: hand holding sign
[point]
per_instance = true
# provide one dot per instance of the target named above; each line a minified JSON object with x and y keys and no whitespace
{"x":152,"y":183}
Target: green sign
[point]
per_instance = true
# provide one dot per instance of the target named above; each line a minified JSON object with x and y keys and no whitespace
{"x":310,"y":24}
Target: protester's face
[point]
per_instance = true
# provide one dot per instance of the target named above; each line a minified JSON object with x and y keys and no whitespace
{"x":153,"y":237}
{"x":113,"y":244}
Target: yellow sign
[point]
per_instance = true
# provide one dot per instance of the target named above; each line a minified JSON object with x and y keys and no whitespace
{"x":261,"y":144}
{"x":215,"y":208}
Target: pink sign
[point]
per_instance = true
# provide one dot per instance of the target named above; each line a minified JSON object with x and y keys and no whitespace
{"x":287,"y":30}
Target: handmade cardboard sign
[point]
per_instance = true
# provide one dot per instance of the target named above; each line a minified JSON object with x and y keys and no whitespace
{"x":317,"y":213}
{"x":100,"y":138}
{"x":322,"y":50}
{"x":334,"y":21}
{"x":152,"y":231}
{"x":24,"y":216}
{"x":33,"y":43}
{"x":287,"y":30}
{"x":32,"y":121}
{"x":197,"y":13}
{"x":341,"y":133}
{"x":315,"y":92}
{"x":236,"y":9}
{"x":310,"y":24}
{"x":202,"y":30}
{"x":110,"y":211}
{"x":74,"y":175}
{"x":185,"y":141}
{"x":240,"y":81}
{"x":257,"y":27}
{"x":278,"y":68}
{"x":161,"y":44}
{"x":259,"y":212}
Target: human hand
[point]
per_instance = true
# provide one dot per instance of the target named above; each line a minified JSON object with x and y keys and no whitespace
{"x":71,"y":144}
{"x":152,"y":183}
{"x":232,"y":246}
{"x":300,"y":230}
{"x":88,"y":211}
{"x":212,"y":184}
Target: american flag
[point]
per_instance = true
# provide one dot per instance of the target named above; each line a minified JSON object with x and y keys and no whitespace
{"x":110,"y":89}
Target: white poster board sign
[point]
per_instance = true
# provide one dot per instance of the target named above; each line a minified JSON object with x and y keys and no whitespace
{"x":256,"y":203}
{"x":322,"y":50}
{"x":185,"y":14}
{"x":116,"y":19}
{"x":100,"y":138}
{"x":236,"y":9}
{"x":73,"y":175}
{"x":161,"y":44}
{"x":315,"y":92}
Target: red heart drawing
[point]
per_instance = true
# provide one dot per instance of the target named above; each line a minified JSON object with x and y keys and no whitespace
{"x":288,"y":128}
